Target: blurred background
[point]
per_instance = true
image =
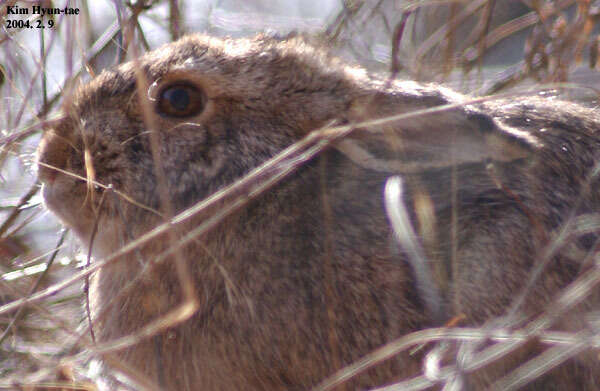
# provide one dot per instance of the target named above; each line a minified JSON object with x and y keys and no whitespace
{"x":479,"y":47}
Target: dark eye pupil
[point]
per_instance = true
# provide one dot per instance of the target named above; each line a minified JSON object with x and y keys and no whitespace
{"x":179,"y":98}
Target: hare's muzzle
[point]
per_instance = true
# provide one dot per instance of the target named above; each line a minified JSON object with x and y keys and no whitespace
{"x":52,"y":156}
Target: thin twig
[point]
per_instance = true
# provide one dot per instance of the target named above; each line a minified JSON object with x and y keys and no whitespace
{"x":14,"y":214}
{"x":35,"y":286}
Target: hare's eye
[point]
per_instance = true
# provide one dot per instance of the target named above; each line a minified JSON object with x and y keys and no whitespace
{"x":181,"y":100}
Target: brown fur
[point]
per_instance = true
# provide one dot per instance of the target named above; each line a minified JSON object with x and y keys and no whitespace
{"x":308,"y":278}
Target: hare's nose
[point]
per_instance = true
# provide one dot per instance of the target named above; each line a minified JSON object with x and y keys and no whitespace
{"x":52,"y":156}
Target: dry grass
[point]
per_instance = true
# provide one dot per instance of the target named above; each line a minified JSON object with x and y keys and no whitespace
{"x":42,"y":341}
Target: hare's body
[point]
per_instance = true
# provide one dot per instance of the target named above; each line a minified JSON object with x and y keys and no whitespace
{"x":308,"y":277}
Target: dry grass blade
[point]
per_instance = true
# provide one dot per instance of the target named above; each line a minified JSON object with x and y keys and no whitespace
{"x":407,"y":238}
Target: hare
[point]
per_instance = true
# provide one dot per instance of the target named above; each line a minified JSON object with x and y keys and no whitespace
{"x":311,"y":275}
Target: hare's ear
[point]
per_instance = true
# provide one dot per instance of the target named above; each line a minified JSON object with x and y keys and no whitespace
{"x":413,"y":139}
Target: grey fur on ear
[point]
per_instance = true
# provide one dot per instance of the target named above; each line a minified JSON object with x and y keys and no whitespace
{"x":420,"y":140}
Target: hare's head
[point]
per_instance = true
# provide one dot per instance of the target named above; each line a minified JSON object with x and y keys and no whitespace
{"x":217,"y":107}
{"x":201,"y":112}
